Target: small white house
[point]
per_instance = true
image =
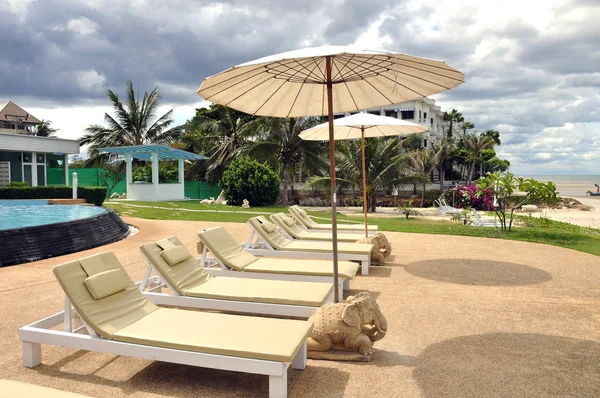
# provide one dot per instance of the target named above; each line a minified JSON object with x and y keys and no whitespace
{"x":155,"y":190}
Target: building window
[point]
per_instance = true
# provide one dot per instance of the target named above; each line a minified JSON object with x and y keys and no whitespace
{"x":425,"y":115}
{"x":338,"y":116}
{"x":408,"y":115}
{"x":375,"y":113}
{"x":432,"y":121}
{"x":391,"y":113}
{"x":425,"y":143}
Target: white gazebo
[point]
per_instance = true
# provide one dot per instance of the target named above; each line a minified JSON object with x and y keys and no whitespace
{"x":153,"y":191}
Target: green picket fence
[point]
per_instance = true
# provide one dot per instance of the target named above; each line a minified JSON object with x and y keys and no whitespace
{"x":90,"y":177}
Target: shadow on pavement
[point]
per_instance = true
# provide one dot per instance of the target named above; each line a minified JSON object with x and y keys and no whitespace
{"x":510,"y":365}
{"x":478,"y":272}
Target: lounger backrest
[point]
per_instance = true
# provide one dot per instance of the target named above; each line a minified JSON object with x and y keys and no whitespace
{"x":109,"y":314}
{"x":225,"y":248}
{"x":181,"y":276}
{"x":302,"y":216}
{"x":284,"y":222}
{"x":274,"y":238}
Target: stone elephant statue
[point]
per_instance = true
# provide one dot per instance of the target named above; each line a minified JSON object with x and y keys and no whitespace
{"x":351,"y":325}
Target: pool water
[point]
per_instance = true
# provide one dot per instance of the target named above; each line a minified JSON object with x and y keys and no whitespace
{"x":29,"y":213}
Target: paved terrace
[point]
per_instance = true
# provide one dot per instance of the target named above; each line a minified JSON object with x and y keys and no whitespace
{"x":466,"y":316}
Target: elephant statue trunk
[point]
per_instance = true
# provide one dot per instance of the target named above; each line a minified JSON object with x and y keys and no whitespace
{"x":381,"y":327}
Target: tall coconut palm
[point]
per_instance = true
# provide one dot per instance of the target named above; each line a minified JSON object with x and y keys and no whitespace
{"x":386,"y":169}
{"x":281,"y":145}
{"x":229,"y":136}
{"x":453,"y":117}
{"x":494,"y":135}
{"x":466,"y":126}
{"x":44,"y":129}
{"x":475,"y":144}
{"x":133,"y":123}
{"x":443,"y":153}
{"x":421,"y":163}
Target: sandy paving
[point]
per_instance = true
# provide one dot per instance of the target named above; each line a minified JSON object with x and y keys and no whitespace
{"x":469,"y":317}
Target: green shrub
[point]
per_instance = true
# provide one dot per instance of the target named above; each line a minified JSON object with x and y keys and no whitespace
{"x":18,"y":184}
{"x":166,"y":173}
{"x":95,"y":195}
{"x":248,"y":179}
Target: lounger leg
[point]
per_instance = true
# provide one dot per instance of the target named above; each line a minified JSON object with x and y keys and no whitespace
{"x":364,"y":267}
{"x":346,"y":284}
{"x":340,"y":291}
{"x":300,"y":358}
{"x":278,"y":386}
{"x":32,"y":354}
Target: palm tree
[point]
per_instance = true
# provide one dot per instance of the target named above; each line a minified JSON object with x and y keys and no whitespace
{"x":442,"y":152}
{"x":282,"y":146}
{"x":494,"y":135}
{"x":133,"y":123}
{"x":453,"y":117}
{"x":228,"y":136}
{"x":475,"y":144}
{"x":421,"y":163}
{"x":385,"y":168}
{"x":44,"y":130}
{"x":466,"y":126}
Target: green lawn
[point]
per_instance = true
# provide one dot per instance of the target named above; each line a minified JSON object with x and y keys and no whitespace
{"x":532,"y":229}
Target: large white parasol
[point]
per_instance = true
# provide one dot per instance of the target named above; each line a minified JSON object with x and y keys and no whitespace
{"x":327,"y":80}
{"x":363,"y":125}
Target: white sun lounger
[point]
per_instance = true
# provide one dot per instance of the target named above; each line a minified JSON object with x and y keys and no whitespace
{"x":231,"y":259}
{"x":267,"y":241}
{"x":309,"y":224}
{"x":120,"y":320}
{"x":192,"y":286}
{"x":292,"y":230}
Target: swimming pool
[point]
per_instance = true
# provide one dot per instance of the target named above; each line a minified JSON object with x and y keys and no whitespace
{"x":32,"y":230}
{"x":29,"y":213}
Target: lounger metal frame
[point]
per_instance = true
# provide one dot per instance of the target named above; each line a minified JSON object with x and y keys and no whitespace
{"x":35,"y":334}
{"x":150,"y":287}
{"x":260,"y":247}
{"x":281,"y":229}
{"x":216,"y":267}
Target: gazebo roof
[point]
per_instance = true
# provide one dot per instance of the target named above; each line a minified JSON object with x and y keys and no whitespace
{"x":144,"y":152}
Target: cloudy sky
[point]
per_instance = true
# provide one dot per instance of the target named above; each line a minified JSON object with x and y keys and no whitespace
{"x":532,"y":68}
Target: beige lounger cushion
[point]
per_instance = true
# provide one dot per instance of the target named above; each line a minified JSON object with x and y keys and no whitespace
{"x":17,"y":389}
{"x":269,"y":227}
{"x":274,"y":265}
{"x":298,"y":233}
{"x":279,"y":242}
{"x":106,"y":283}
{"x":311,"y":224}
{"x":274,"y":239}
{"x":112,"y":313}
{"x":225,"y":248}
{"x":288,"y":221}
{"x":310,"y":294}
{"x":182,"y":277}
{"x":325,"y":247}
{"x":175,"y":255}
{"x":222,"y":334}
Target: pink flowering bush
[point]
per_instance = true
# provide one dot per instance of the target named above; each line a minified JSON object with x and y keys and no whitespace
{"x":462,"y":197}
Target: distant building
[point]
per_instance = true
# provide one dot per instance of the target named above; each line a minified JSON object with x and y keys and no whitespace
{"x":423,"y":111}
{"x":39,"y":161}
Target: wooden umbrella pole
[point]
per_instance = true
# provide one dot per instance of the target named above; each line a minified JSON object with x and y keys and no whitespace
{"x":328,"y":67}
{"x":364,"y":179}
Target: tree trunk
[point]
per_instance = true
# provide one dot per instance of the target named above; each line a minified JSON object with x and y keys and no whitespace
{"x":442,"y":175}
{"x":287,"y":178}
{"x":373,"y":200}
{"x":423,"y":195}
{"x":471,"y":172}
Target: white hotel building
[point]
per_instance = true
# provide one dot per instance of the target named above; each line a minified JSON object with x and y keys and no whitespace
{"x":423,"y":111}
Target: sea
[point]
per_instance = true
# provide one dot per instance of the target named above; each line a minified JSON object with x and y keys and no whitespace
{"x":570,"y":185}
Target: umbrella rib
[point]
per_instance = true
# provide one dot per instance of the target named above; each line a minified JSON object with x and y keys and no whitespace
{"x":229,"y":81}
{"x":340,"y":69}
{"x":300,"y":90}
{"x":233,"y":85}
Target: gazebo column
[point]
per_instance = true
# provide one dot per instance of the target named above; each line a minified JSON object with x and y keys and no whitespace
{"x":128,"y":169}
{"x":155,"y":169}
{"x":66,"y":168}
{"x":180,"y":170}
